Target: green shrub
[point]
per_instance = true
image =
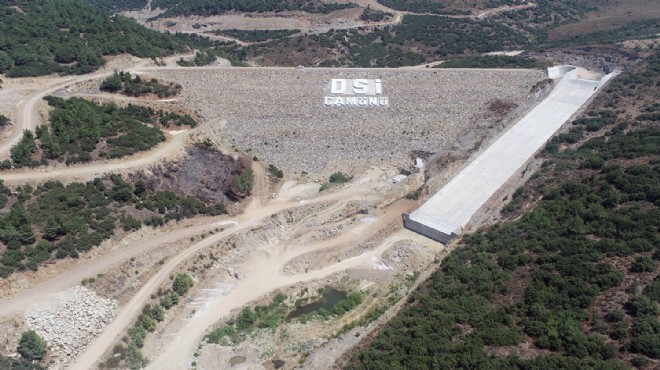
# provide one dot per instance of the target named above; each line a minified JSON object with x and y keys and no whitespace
{"x":31,"y":346}
{"x":643,"y":264}
{"x":615,"y":316}
{"x":170,"y":300}
{"x":182,"y":283}
{"x":338,"y":178}
{"x":275,"y":171}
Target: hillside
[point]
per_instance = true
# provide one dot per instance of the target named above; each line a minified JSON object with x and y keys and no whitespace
{"x":571,"y":280}
{"x":423,"y":36}
{"x":117,"y":5}
{"x":206,"y":7}
{"x":446,"y":6}
{"x":45,"y":36}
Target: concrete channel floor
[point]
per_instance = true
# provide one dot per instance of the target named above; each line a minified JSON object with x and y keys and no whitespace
{"x":444,"y":215}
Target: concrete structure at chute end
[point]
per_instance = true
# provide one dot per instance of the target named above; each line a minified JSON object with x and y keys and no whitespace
{"x":444,"y":215}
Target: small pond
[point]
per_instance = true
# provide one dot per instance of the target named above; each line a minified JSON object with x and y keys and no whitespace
{"x":329,"y":298}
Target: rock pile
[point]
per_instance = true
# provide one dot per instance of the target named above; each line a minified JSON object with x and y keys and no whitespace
{"x":279,"y":115}
{"x":72,"y":322}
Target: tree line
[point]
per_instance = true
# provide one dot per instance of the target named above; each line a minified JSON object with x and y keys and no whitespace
{"x":214,"y":7}
{"x":123,"y":82}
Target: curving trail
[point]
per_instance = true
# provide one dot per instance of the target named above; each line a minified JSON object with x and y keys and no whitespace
{"x":256,"y":286}
{"x":27,"y":117}
{"x":84,"y":172}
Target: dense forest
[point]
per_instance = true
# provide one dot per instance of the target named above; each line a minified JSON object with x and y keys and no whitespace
{"x":40,"y":37}
{"x":74,"y":38}
{"x":423,"y":38}
{"x":117,"y":5}
{"x":421,"y":6}
{"x":571,"y":281}
{"x":213,"y":7}
{"x":373,"y":15}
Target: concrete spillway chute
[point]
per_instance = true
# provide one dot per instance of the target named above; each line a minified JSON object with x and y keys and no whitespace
{"x":444,"y":215}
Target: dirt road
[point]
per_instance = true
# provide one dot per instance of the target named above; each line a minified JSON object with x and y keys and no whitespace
{"x":265,"y":274}
{"x":252,"y":217}
{"x":27,"y":117}
{"x":168,"y":150}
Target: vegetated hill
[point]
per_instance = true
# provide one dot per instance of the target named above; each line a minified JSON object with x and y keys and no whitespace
{"x":117,"y":5}
{"x":608,"y":15}
{"x":213,"y":7}
{"x":423,"y":38}
{"x":571,"y":281}
{"x":55,"y":221}
{"x":256,"y":35}
{"x":446,"y":6}
{"x":81,"y":131}
{"x":493,"y":61}
{"x":417,"y":39}
{"x":39,"y":37}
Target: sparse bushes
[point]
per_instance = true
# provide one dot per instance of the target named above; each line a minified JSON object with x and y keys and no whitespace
{"x":335,"y":178}
{"x":170,"y":300}
{"x":136,"y":86}
{"x":74,"y":218}
{"x":353,"y":299}
{"x":256,"y":35}
{"x":148,"y":321}
{"x":264,"y":317}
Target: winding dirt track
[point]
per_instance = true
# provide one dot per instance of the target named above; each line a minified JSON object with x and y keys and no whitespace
{"x":269,"y":276}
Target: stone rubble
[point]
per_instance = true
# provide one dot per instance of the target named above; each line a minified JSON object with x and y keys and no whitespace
{"x":279,"y":115}
{"x":71,"y":323}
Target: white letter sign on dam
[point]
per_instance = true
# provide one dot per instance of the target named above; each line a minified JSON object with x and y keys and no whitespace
{"x":356,"y":93}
